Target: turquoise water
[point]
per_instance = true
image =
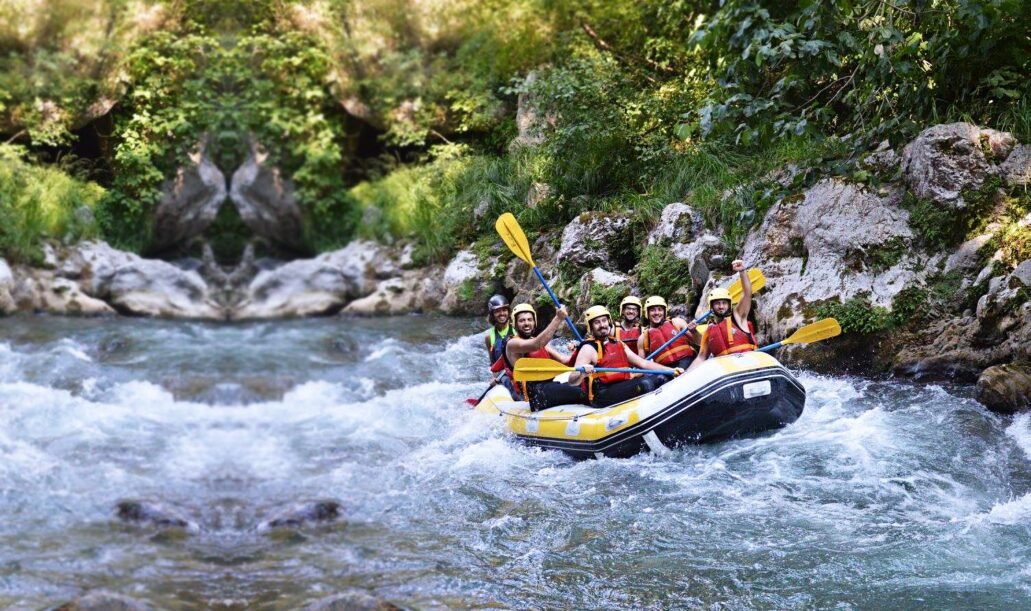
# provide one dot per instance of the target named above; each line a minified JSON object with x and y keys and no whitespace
{"x":884,"y":494}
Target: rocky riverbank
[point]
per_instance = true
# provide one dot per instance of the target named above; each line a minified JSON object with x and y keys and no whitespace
{"x":871,"y":247}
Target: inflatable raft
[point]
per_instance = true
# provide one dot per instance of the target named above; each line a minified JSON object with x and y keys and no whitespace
{"x":725,"y":397}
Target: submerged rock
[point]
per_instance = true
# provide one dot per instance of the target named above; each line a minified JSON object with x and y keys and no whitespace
{"x":1005,"y":388}
{"x":352,"y":601}
{"x":104,"y":601}
{"x":146,"y":513}
{"x":303,"y":514}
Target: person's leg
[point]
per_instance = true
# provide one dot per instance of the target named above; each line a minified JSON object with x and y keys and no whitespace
{"x":550,"y":394}
{"x":610,"y":394}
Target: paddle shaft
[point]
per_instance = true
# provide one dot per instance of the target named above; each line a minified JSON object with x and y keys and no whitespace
{"x":554,"y":298}
{"x":661,"y":372}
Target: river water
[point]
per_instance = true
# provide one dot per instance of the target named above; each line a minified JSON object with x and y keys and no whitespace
{"x":883,"y":494}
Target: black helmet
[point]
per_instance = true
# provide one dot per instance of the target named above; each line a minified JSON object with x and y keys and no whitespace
{"x":496,"y":302}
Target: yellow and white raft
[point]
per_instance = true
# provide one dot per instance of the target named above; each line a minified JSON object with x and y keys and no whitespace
{"x":725,"y":397}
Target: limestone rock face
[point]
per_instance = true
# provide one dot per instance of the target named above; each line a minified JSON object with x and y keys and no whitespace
{"x":322,"y":285}
{"x":189,"y":202}
{"x":835,"y":242}
{"x":594,"y":240}
{"x":1016,"y":170}
{"x":466,"y":288}
{"x":702,"y":256}
{"x":599,"y":278}
{"x":266,"y":201}
{"x":414,"y":291}
{"x":678,"y":224}
{"x":1005,"y":388}
{"x":945,"y":160}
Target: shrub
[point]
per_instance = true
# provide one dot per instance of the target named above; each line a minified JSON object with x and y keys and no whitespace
{"x":37,"y":203}
{"x":857,"y":315}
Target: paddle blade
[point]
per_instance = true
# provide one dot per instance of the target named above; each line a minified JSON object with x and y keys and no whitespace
{"x":819,"y":330}
{"x":510,"y":231}
{"x":755,"y":275}
{"x":536,"y":370}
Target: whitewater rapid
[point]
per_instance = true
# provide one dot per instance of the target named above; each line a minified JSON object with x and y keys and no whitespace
{"x":882,"y":494}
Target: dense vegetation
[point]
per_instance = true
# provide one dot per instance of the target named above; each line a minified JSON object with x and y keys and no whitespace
{"x":396,"y":118}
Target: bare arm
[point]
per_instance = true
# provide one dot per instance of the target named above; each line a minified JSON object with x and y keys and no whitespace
{"x":745,"y":305}
{"x":587,"y":358}
{"x":703,"y":353}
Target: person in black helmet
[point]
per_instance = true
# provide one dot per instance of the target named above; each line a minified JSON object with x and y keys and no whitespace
{"x":501,"y":330}
{"x":498,"y":313}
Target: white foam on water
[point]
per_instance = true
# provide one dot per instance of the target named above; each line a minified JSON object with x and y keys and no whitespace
{"x":1020,"y":431}
{"x":74,"y":349}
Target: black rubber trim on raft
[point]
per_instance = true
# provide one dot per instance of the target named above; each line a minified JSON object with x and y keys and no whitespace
{"x":644,"y":426}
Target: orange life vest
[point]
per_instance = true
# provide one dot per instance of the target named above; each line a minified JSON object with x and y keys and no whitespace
{"x":658,"y":336}
{"x":628,"y":336}
{"x":727,"y":338}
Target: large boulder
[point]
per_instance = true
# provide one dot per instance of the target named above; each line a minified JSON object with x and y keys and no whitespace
{"x":835,"y":242}
{"x":413,"y":291}
{"x":595,"y":240}
{"x":1005,"y":388}
{"x":138,"y":286}
{"x":1016,"y":170}
{"x":322,"y":285}
{"x":7,"y":303}
{"x":946,"y":160}
{"x":189,"y":202}
{"x":266,"y":201}
{"x":41,"y":290}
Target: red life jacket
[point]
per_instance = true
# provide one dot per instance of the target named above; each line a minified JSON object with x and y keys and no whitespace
{"x":628,"y":336}
{"x":728,"y":338}
{"x":611,"y":354}
{"x":658,"y":336}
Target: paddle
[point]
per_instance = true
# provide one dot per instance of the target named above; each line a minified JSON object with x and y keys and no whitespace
{"x":536,"y":370}
{"x":475,"y":402}
{"x":755,"y":275}
{"x":819,"y":330}
{"x":510,"y":231}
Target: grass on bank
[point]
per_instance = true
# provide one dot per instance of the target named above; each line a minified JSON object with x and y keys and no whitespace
{"x":41,"y":202}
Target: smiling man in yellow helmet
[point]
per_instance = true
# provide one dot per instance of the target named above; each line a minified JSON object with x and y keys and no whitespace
{"x":528,"y":343}
{"x":603,"y":350}
{"x":729,"y":331}
{"x":661,"y":328}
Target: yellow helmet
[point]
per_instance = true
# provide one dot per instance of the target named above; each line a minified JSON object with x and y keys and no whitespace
{"x":524,"y":307}
{"x":595,"y":312}
{"x":717,"y":294}
{"x":629,"y":300}
{"x":655,"y":300}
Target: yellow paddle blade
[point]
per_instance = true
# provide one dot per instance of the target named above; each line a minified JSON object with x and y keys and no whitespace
{"x":510,"y":231}
{"x":819,"y":330}
{"x":535,"y":370}
{"x":755,"y":275}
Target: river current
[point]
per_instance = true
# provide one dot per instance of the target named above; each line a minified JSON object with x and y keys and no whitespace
{"x":883,"y":494}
